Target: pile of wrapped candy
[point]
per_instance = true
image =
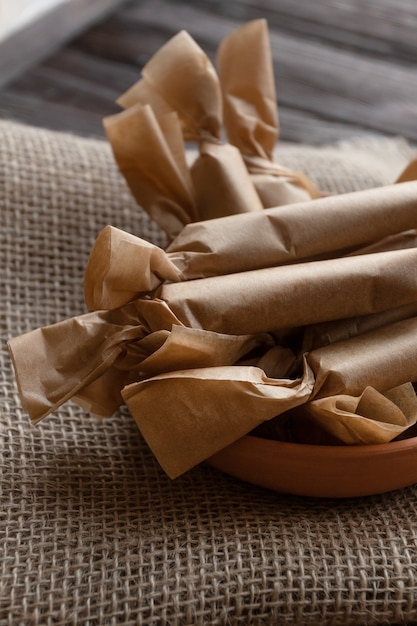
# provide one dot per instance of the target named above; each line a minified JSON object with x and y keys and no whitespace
{"x":275,"y":307}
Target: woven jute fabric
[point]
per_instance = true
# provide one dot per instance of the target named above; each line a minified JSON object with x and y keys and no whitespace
{"x":92,"y":531}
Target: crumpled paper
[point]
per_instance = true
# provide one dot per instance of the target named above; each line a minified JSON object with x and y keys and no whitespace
{"x":354,"y":223}
{"x":250,"y":114}
{"x":181,"y":91}
{"x":194,"y":331}
{"x":297,"y":319}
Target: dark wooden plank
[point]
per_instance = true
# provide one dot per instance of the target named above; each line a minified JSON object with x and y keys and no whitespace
{"x":301,"y":126}
{"x":339,"y":85}
{"x":335,"y":77}
{"x":385,"y":28}
{"x":72,"y":77}
{"x":123,"y":40}
{"x":30,"y":109}
{"x":71,"y":61}
{"x":76,"y":117}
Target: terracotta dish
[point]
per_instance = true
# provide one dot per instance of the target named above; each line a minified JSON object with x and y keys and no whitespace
{"x":319,"y":470}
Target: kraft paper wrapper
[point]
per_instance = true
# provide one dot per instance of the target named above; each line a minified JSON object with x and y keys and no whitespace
{"x":90,"y":358}
{"x":181,"y":78}
{"x":231,"y":400}
{"x":399,"y":241}
{"x":331,"y":226}
{"x":325,"y":333}
{"x":185,"y":82}
{"x":184,"y":415}
{"x":150,"y":154}
{"x":382,"y":358}
{"x":54,"y":363}
{"x":246,"y":75}
{"x":275,"y":298}
{"x":371,"y":418}
{"x":122,"y":266}
{"x":409,"y":173}
{"x":216,"y":174}
{"x":200,"y":362}
{"x":77,"y":358}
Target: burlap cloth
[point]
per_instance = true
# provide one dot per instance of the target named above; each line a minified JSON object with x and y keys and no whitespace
{"x":92,"y":531}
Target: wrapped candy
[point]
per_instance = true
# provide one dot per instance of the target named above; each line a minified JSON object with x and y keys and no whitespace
{"x":254,"y":317}
{"x":250,"y":114}
{"x":185,"y":94}
{"x":354,"y":223}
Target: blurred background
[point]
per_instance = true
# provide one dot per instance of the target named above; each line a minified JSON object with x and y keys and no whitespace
{"x":343,"y":68}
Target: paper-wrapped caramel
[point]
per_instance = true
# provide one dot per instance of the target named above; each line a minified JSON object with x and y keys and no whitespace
{"x":181,"y":76}
{"x":250,"y":114}
{"x":217,"y":398}
{"x":301,"y":315}
{"x":355,"y":223}
{"x":371,"y":418}
{"x":325,"y":333}
{"x":227,"y":179}
{"x":150,"y":153}
{"x":409,"y":173}
{"x":135,"y":343}
{"x":275,"y":298}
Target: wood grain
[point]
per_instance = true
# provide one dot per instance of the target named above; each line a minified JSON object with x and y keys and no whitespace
{"x":342,"y":69}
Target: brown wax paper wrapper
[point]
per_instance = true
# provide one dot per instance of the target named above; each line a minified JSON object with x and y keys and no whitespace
{"x":221,"y":182}
{"x":331,"y":226}
{"x":73,"y":359}
{"x":53,"y":363}
{"x":325,"y":333}
{"x":90,"y":358}
{"x":398,"y":241}
{"x":231,"y":401}
{"x":122,"y":266}
{"x":371,"y":418}
{"x":272,"y":298}
{"x":383,"y":358}
{"x":246,"y":75}
{"x":409,"y":173}
{"x":150,"y":154}
{"x":184,"y":415}
{"x":119,"y":271}
{"x":275,"y":298}
{"x":181,"y":78}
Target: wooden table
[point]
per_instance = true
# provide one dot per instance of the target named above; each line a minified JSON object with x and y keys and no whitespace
{"x":343,"y":69}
